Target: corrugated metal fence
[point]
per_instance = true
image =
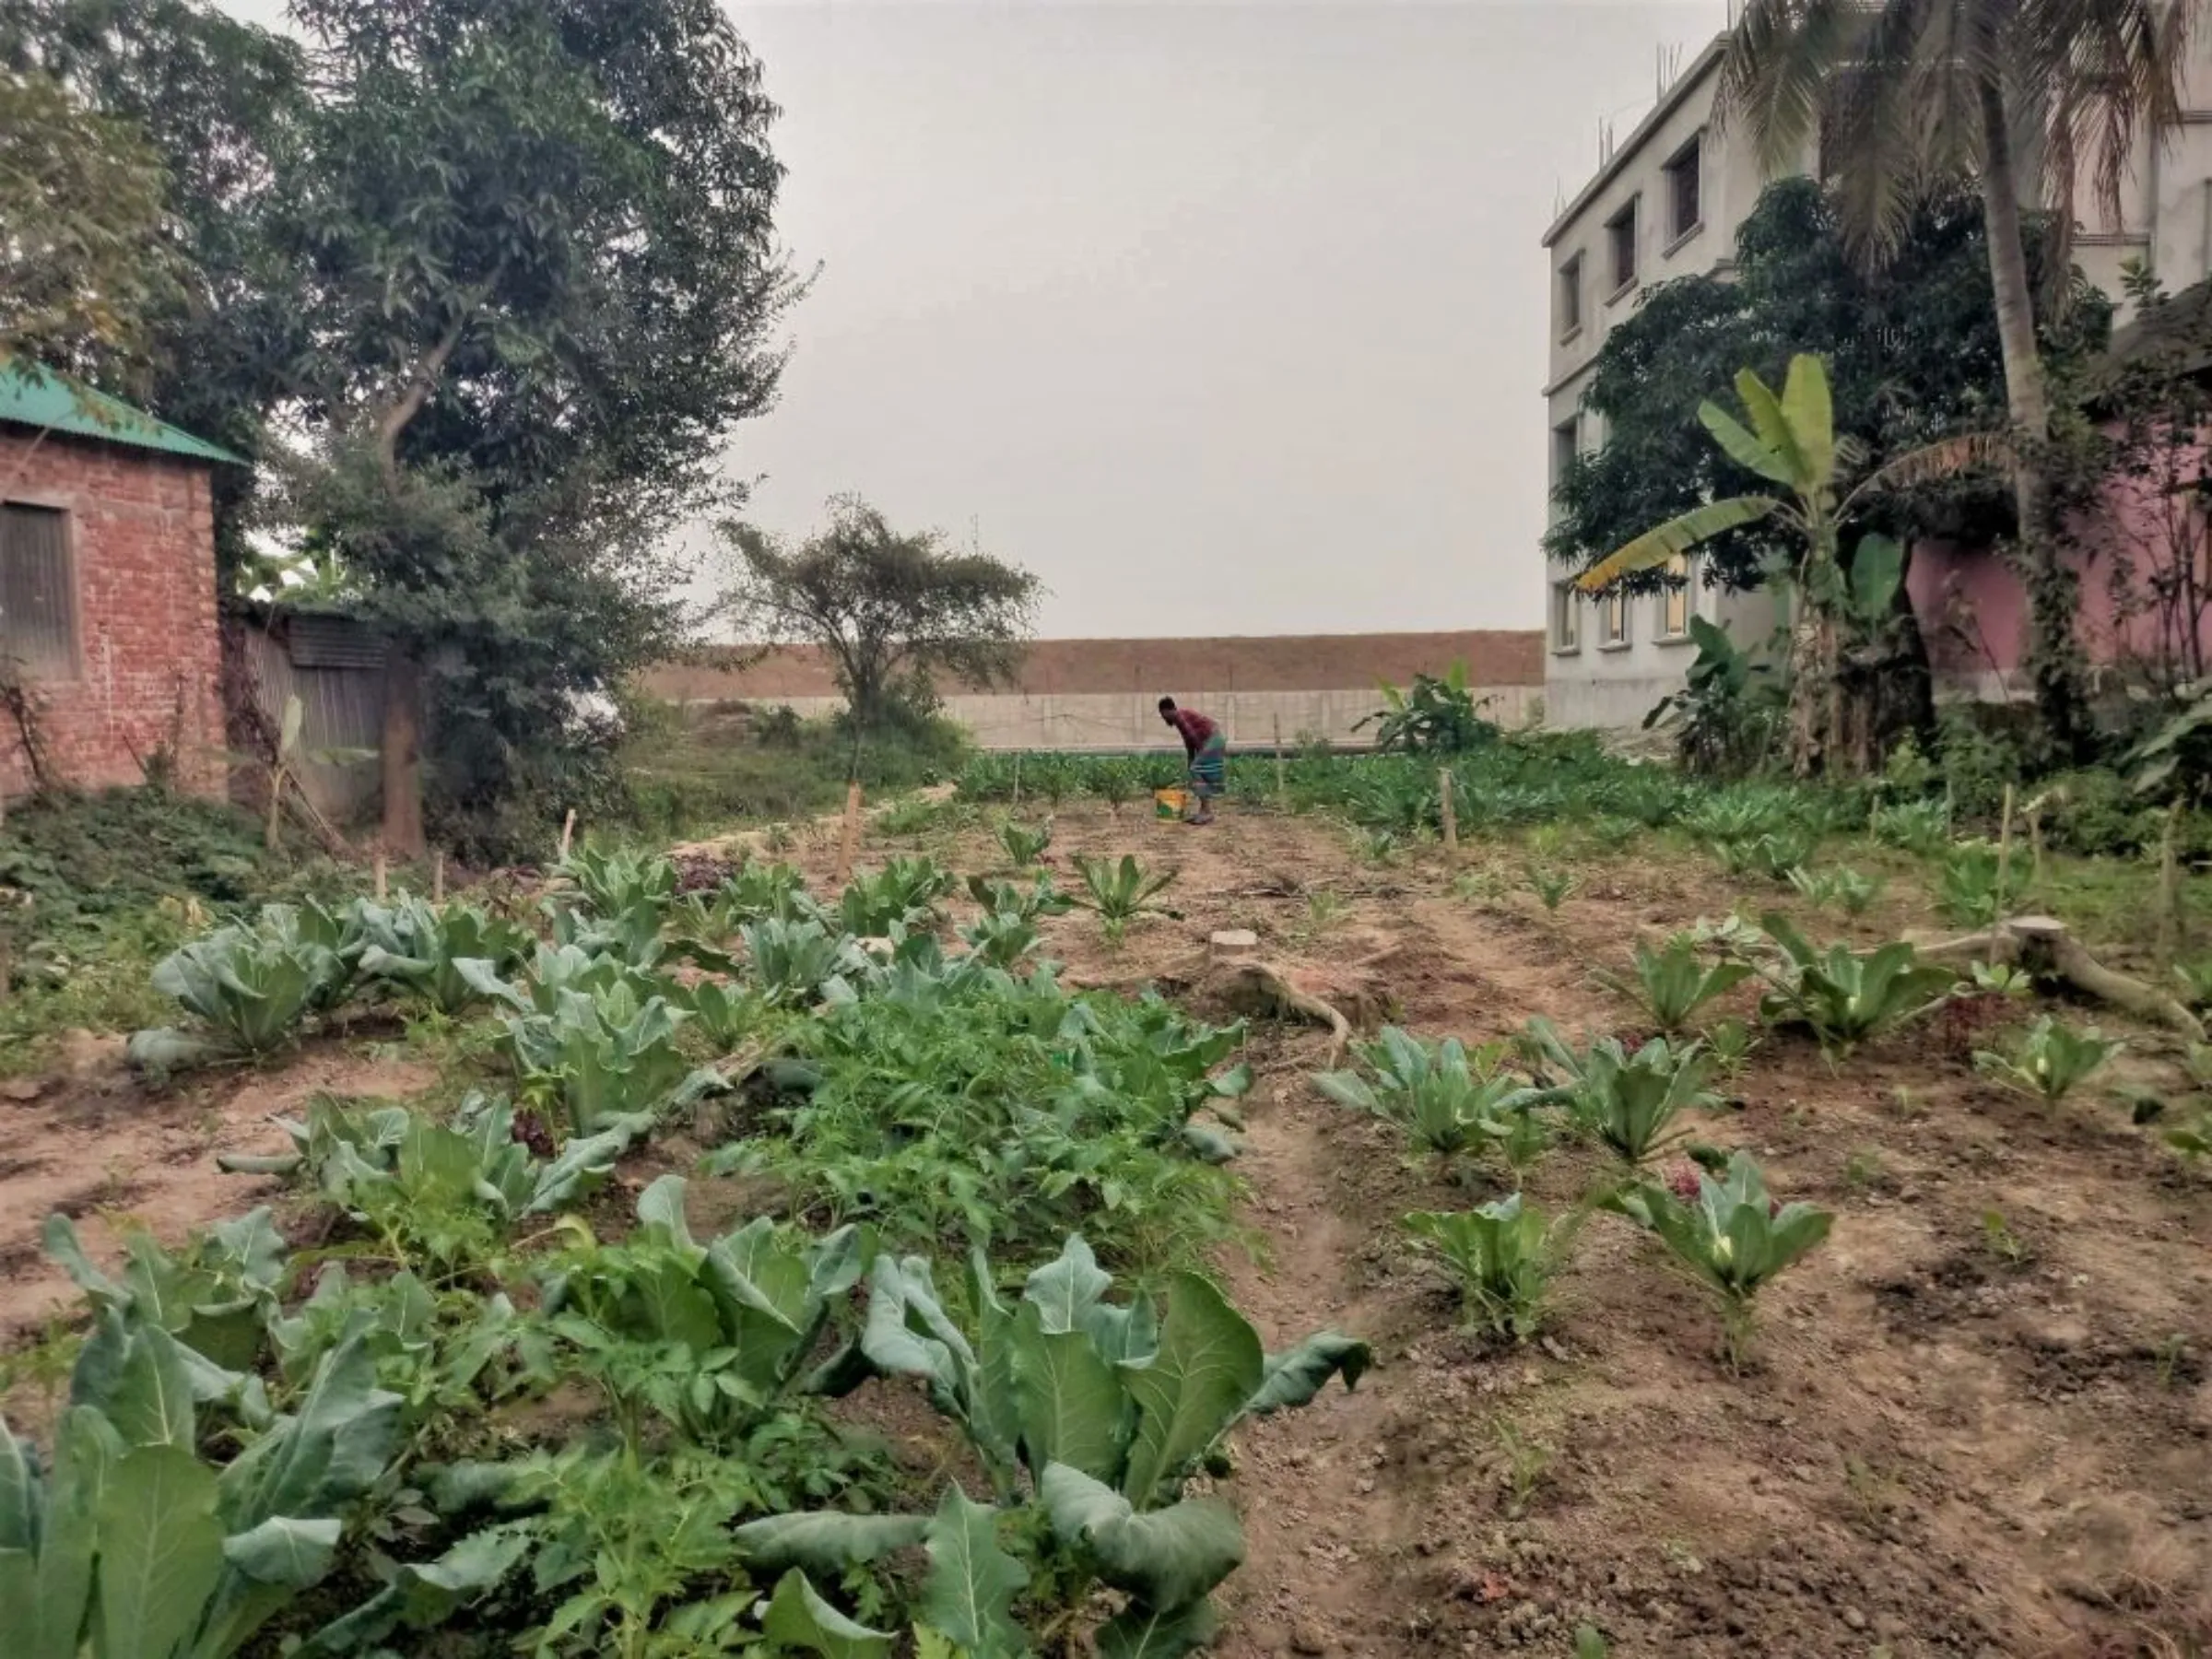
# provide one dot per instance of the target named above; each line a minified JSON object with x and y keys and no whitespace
{"x":336,"y":670}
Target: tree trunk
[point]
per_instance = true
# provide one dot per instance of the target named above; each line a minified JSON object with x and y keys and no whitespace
{"x":402,"y":831}
{"x":2054,"y":591}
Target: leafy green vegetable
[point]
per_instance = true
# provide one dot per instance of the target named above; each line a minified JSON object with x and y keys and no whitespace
{"x":1733,"y":1240}
{"x":1435,"y":1095}
{"x":1673,"y":983}
{"x":1503,"y":1256}
{"x":2050,"y":1061}
{"x":1846,"y":997}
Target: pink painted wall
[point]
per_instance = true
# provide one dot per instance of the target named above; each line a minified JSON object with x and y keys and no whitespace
{"x":1973,"y":609}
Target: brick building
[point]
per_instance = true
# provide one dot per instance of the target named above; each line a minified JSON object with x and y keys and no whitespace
{"x":107,"y":590}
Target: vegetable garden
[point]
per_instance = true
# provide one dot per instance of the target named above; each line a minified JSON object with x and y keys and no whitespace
{"x":1653,"y":1224}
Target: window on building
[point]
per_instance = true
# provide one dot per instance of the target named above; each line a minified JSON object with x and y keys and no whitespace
{"x":1684,"y":181}
{"x":1675,"y":597}
{"x":37,"y":590}
{"x":1566,"y":444}
{"x":1620,"y":236}
{"x":1613,"y":618}
{"x":1566,"y":617}
{"x":1570,"y":295}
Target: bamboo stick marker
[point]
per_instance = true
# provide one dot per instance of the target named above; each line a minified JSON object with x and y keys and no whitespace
{"x":850,"y":843}
{"x":382,"y":875}
{"x":438,"y":878}
{"x":1444,"y":784}
{"x":568,"y":833}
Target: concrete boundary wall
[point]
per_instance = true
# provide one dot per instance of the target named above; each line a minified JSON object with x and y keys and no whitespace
{"x":1131,"y":720}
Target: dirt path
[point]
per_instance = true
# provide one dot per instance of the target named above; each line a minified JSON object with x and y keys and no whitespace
{"x":94,"y":1143}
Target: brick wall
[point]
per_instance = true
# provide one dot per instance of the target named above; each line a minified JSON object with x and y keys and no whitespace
{"x":1178,"y":667}
{"x":142,"y":544}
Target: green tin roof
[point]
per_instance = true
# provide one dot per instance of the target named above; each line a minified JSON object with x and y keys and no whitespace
{"x":48,"y":402}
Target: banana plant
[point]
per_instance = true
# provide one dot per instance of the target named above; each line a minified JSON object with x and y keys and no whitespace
{"x":1434,"y":1095}
{"x":129,"y":1546}
{"x":1503,"y":1256}
{"x":1733,"y":1239}
{"x":252,"y":985}
{"x":1120,"y":893}
{"x":1790,"y":439}
{"x":2050,"y":1061}
{"x":1632,"y":1104}
{"x":420,"y":945}
{"x":1842,"y":996}
{"x":710,"y":1336}
{"x":1109,"y":1408}
{"x":1673,"y":982}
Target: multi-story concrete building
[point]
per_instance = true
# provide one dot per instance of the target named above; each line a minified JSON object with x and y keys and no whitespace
{"x":1666,"y":202}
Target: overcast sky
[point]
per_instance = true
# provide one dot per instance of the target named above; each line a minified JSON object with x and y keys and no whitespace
{"x":1225,"y":318}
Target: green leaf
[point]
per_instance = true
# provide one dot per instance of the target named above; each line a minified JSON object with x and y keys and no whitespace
{"x":968,"y":1593}
{"x":1295,"y":1377}
{"x":424,"y":1595}
{"x":1141,"y":1631}
{"x":327,"y":1455}
{"x":1809,"y":412}
{"x":86,"y":1451}
{"x":1676,"y":536}
{"x":1208,"y":1364}
{"x":798,"y":1617}
{"x":1072,"y":1404}
{"x":1746,"y":451}
{"x":152,"y":1404}
{"x":283,"y":1550}
{"x":1065,"y":1289}
{"x":824,"y":1542}
{"x":20,"y":1493}
{"x":1875,"y":570}
{"x":1168,"y":1556}
{"x":160,"y":1552}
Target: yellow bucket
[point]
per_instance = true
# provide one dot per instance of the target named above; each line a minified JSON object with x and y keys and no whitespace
{"x":1170,"y":803}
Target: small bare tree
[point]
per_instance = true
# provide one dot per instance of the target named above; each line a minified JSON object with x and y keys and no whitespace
{"x":892,"y":609}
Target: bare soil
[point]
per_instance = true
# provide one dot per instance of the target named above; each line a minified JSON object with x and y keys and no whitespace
{"x":1955,"y":1439}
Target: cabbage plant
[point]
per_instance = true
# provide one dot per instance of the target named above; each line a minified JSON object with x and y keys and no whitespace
{"x":1441,"y":1101}
{"x":421,"y":946}
{"x":252,"y":986}
{"x":1502,"y":1257}
{"x":1673,"y":982}
{"x":1732,"y":1239}
{"x":2050,"y":1061}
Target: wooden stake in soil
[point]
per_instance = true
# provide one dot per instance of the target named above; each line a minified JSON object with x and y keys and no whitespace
{"x":2005,"y":849}
{"x":438,"y":878}
{"x":1018,"y":780}
{"x":382,"y":875}
{"x":1282,"y":792}
{"x":1443,"y":784}
{"x":850,"y":844}
{"x":568,"y":833}
{"x":2173,"y":926}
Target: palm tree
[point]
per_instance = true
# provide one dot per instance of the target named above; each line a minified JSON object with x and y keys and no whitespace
{"x":1902,"y":91}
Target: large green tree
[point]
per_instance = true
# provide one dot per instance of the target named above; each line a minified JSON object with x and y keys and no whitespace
{"x":543,"y":281}
{"x":1900,"y":93}
{"x":1912,"y":357}
{"x":217,"y":103}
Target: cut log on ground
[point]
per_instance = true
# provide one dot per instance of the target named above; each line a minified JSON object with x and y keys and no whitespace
{"x":1346,"y":1000}
{"x":2041,"y":946}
